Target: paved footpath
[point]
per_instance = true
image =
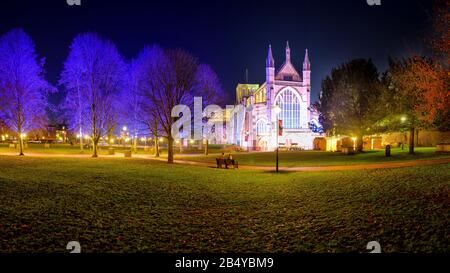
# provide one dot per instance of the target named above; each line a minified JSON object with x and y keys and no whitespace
{"x":386,"y":165}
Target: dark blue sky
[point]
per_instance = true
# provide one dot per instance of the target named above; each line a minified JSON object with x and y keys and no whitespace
{"x":229,"y":35}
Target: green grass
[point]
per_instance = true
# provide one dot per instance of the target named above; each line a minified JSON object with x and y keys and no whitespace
{"x":75,"y":149}
{"x":62,"y":149}
{"x":318,"y":158}
{"x":133,"y":205}
{"x":286,"y":159}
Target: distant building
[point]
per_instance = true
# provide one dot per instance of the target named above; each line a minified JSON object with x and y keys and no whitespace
{"x":256,"y":127}
{"x":54,"y":133}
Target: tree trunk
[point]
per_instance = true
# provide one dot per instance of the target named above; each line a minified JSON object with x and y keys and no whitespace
{"x":169,"y":149}
{"x":416,"y":138}
{"x":110,"y":136}
{"x":359,"y":143}
{"x":81,"y":142}
{"x":19,"y":128}
{"x":95,"y":147}
{"x":135,"y":144}
{"x":155,"y":134}
{"x":411,"y":140}
{"x":206,"y":147}
{"x":156,"y":146}
{"x":20,"y":142}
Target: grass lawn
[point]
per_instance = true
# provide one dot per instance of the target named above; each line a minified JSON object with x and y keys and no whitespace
{"x":318,"y":158}
{"x":75,"y":149}
{"x":133,"y":205}
{"x":62,"y":149}
{"x":286,"y":159}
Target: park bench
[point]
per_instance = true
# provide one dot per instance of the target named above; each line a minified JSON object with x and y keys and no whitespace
{"x":443,"y":148}
{"x":221,"y":162}
{"x":294,"y":147}
{"x":282,"y":147}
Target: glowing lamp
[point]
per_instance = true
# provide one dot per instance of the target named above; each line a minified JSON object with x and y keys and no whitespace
{"x":277,"y":109}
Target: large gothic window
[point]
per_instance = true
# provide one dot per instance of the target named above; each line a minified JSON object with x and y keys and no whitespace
{"x":262,"y":127}
{"x":289,"y":102}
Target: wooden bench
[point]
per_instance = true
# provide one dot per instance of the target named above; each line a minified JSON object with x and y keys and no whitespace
{"x":221,"y":162}
{"x":443,"y":148}
{"x":294,"y":147}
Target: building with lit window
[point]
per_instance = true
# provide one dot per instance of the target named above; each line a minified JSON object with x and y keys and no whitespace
{"x":255,"y":126}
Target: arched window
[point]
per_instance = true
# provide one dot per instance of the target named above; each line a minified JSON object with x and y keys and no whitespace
{"x":289,"y":102}
{"x":262,"y":127}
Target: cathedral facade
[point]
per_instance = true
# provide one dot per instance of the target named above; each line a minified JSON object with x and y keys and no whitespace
{"x":276,"y":113}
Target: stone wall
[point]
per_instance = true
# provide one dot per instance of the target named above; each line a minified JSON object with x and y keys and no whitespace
{"x":424,"y":138}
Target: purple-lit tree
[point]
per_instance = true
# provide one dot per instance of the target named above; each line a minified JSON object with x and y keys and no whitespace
{"x":93,"y":76}
{"x":141,"y":72}
{"x":169,"y":78}
{"x":209,"y":88}
{"x":23,"y":89}
{"x":130,"y":106}
{"x":75,"y":107}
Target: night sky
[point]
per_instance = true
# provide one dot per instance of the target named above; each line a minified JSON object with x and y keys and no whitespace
{"x":229,"y":35}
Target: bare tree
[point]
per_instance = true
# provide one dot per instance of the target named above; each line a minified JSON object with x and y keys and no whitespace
{"x":170,"y":78}
{"x":99,"y":71}
{"x":23,"y":89}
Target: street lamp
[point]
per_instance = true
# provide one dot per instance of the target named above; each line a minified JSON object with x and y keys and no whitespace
{"x":277,"y":111}
{"x":403,"y":120}
{"x":144,"y":139}
{"x":354,"y":142}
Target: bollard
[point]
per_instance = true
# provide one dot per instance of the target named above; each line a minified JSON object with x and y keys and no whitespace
{"x":388,"y":151}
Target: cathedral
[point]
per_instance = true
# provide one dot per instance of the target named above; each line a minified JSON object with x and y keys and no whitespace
{"x":283,"y":99}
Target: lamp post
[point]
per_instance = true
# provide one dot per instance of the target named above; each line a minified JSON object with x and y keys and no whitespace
{"x":277,"y":110}
{"x":144,"y":139}
{"x":403,"y":120}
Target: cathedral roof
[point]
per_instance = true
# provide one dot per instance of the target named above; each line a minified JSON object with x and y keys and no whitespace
{"x":287,"y":72}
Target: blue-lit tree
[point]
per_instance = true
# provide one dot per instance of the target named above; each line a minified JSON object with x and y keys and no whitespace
{"x":168,"y":78}
{"x":93,"y":75}
{"x":23,"y":89}
{"x":131,"y":103}
{"x":209,"y":88}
